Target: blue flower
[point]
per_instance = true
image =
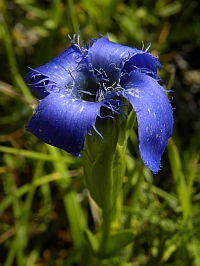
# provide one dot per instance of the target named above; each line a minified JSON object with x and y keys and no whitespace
{"x":76,"y":85}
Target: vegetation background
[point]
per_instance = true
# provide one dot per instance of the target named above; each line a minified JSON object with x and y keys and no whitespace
{"x":44,"y":205}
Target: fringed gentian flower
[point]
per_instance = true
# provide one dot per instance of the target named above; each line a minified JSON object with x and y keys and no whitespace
{"x":79,"y":82}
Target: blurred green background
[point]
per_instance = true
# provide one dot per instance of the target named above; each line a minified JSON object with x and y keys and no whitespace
{"x":44,"y":205}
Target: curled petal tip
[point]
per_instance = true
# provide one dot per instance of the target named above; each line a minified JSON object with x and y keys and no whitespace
{"x":154,"y":115}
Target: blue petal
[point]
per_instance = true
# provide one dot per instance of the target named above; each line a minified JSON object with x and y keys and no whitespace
{"x":154,"y":115}
{"x":115,"y":58}
{"x":63,"y":121}
{"x":68,"y":71}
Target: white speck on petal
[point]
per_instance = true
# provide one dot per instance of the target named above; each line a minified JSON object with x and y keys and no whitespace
{"x":81,"y":109}
{"x":149,"y":110}
{"x":133,"y":92}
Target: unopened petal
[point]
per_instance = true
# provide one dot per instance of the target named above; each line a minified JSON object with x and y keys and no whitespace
{"x":154,"y":115}
{"x":63,"y":121}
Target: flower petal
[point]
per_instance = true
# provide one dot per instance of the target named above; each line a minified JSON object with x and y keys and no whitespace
{"x":63,"y":121}
{"x":154,"y":115}
{"x":114,"y":58}
{"x":69,"y":71}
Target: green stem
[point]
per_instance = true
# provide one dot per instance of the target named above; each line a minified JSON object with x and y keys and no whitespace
{"x":107,"y":220}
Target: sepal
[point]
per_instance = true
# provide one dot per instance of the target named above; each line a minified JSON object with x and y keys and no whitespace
{"x":103,"y":163}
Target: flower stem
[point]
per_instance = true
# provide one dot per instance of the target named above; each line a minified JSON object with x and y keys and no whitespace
{"x":107,"y":219}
